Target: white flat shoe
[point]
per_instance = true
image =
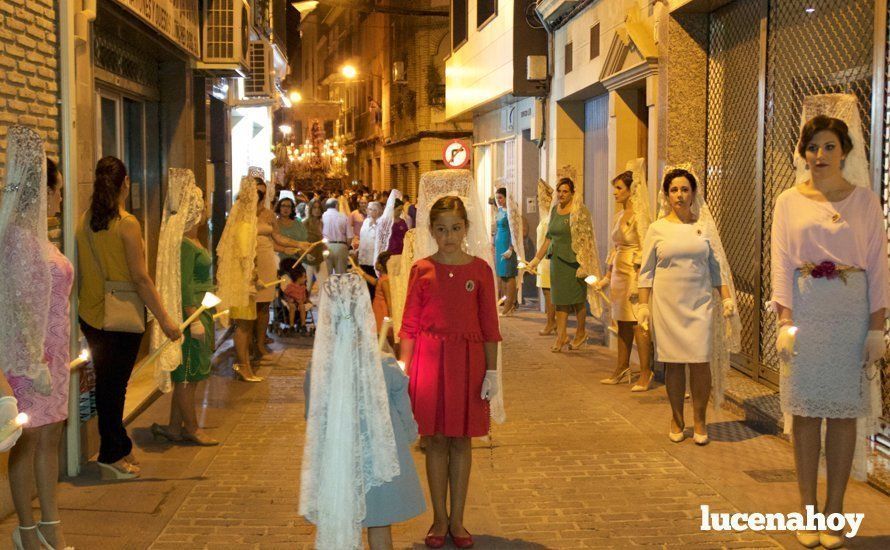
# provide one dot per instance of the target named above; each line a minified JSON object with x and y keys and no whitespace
{"x":807,"y":539}
{"x":700,"y":439}
{"x":677,"y":437}
{"x":827,"y":540}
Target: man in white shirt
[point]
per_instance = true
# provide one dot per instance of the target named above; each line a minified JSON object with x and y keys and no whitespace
{"x":335,"y":227}
{"x":367,"y":241}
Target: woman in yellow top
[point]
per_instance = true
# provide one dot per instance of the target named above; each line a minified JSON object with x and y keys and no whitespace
{"x":109,"y":242}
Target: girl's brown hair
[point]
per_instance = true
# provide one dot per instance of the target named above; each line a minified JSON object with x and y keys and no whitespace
{"x":449,"y":204}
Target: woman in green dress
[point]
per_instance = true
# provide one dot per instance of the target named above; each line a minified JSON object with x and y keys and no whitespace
{"x":197,"y":344}
{"x":289,"y":226}
{"x":571,"y":247}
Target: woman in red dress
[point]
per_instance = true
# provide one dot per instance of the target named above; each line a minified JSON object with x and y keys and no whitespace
{"x":449,"y":342}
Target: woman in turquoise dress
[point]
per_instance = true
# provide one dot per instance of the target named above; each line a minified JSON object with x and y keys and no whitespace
{"x":197,"y":345}
{"x":570,"y":222}
{"x":505,"y":256}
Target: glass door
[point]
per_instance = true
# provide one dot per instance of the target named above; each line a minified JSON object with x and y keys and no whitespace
{"x":121,"y":132}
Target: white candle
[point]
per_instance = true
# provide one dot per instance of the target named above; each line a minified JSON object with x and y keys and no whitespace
{"x":82,"y":358}
{"x":210,"y":300}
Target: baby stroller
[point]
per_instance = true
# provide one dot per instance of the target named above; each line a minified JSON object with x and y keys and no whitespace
{"x":283,"y":304}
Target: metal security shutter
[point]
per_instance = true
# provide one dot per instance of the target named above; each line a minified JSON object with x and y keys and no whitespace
{"x":733,"y":178}
{"x":765,"y":57}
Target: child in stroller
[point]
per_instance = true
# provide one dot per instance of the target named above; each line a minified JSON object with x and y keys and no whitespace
{"x":294,"y":296}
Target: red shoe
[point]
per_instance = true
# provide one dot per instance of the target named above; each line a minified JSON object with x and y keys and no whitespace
{"x":434,"y":541}
{"x":462,"y":542}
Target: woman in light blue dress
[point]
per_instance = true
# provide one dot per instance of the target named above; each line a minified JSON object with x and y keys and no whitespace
{"x":505,"y":257}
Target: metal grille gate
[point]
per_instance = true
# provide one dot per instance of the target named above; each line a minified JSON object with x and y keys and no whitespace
{"x":793,"y":48}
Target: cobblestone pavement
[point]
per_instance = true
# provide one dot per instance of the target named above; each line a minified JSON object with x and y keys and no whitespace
{"x":577,"y":465}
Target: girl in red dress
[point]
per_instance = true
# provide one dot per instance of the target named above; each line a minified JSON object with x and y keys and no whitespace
{"x":449,"y":342}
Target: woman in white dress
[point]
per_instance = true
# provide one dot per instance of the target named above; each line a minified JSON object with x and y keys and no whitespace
{"x":829,"y":279}
{"x":681,"y":269}
{"x":542,"y":279}
{"x":622,"y":269}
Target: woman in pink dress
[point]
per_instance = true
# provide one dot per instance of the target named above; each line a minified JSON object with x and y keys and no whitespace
{"x":35,"y":458}
{"x":449,"y":339}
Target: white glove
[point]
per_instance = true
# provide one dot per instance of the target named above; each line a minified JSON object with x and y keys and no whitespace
{"x":490,"y":385}
{"x":874,"y":347}
{"x":643,"y":315}
{"x":728,"y":307}
{"x":785,"y":343}
{"x":508,"y":254}
{"x":601,"y":284}
{"x":9,"y":409}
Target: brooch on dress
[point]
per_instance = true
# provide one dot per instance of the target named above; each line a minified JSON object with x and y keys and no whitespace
{"x":836,"y":217}
{"x":470,"y":286}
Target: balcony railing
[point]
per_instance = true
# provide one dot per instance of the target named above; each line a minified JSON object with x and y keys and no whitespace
{"x":368,"y":125}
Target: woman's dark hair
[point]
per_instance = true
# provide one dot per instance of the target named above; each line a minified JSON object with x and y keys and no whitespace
{"x":293,"y":208}
{"x":397,"y":203}
{"x":107,"y":185}
{"x":449,"y":204}
{"x":501,"y":191}
{"x":566,"y":181}
{"x":52,"y":175}
{"x":820,"y":123}
{"x":678,"y":173}
{"x":627,"y":178}
{"x":382,"y":258}
{"x":259,"y":180}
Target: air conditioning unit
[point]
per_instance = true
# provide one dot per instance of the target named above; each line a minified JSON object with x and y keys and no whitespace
{"x":259,"y":76}
{"x":225,"y":36}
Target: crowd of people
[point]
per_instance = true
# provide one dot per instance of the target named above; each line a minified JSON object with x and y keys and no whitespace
{"x":404,"y":301}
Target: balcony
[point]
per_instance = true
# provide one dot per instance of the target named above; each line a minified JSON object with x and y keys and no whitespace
{"x":368,"y":126}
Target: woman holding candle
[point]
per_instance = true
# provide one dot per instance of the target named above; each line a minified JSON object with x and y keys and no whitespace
{"x":683,"y":265}
{"x":623,"y":266}
{"x":571,"y":247}
{"x":449,"y":343}
{"x":183,"y":276}
{"x":829,"y":279}
{"x":288,"y":226}
{"x":236,"y":274}
{"x":316,"y":267}
{"x":110,"y":247}
{"x":37,"y":320}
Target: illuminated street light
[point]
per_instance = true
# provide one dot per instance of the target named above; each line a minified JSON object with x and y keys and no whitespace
{"x":349,"y":71}
{"x":296,"y":97}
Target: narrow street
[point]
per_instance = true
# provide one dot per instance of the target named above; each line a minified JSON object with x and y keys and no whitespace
{"x":577,"y":465}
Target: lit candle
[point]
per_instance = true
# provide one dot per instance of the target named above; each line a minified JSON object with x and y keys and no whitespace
{"x":281,"y":281}
{"x":591,"y":280}
{"x":221,"y":314}
{"x":210,"y":301}
{"x":82,"y":358}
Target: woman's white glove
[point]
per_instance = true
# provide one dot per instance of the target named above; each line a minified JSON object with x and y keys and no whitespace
{"x":508,"y":254}
{"x":601,"y":284}
{"x":9,"y":409}
{"x":874,"y":347}
{"x":643,"y":315}
{"x":785,"y":343}
{"x":728,"y":307}
{"x":490,"y":386}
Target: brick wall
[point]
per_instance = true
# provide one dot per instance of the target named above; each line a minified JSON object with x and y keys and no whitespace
{"x":29,"y":89}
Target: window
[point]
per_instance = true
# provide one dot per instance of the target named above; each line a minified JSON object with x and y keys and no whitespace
{"x":595,"y":41}
{"x":458,"y":23}
{"x":568,"y":55}
{"x":485,"y":11}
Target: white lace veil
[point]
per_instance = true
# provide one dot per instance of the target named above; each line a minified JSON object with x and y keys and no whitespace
{"x":24,"y":261}
{"x":640,"y":197}
{"x":385,"y":223}
{"x":350,"y":443}
{"x":399,"y":270}
{"x":182,"y":211}
{"x":442,"y":183}
{"x":856,"y":171}
{"x":236,"y":251}
{"x":846,"y":108}
{"x":514,"y":220}
{"x":726,"y":337}
{"x":545,"y":203}
{"x":583,"y":241}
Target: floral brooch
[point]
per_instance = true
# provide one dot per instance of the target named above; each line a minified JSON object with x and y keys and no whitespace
{"x":824,"y":270}
{"x":470,"y":286}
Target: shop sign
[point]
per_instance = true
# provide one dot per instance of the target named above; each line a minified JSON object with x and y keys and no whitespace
{"x":456,"y":154}
{"x":175,"y":19}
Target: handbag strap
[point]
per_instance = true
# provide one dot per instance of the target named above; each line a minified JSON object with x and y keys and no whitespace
{"x":89,"y":231}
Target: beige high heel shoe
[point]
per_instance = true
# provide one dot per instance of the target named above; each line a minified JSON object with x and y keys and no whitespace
{"x":245,"y":377}
{"x":118,"y":471}
{"x":623,"y":376}
{"x":43,"y":539}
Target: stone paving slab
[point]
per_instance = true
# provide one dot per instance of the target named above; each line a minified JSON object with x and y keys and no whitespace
{"x":577,"y":465}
